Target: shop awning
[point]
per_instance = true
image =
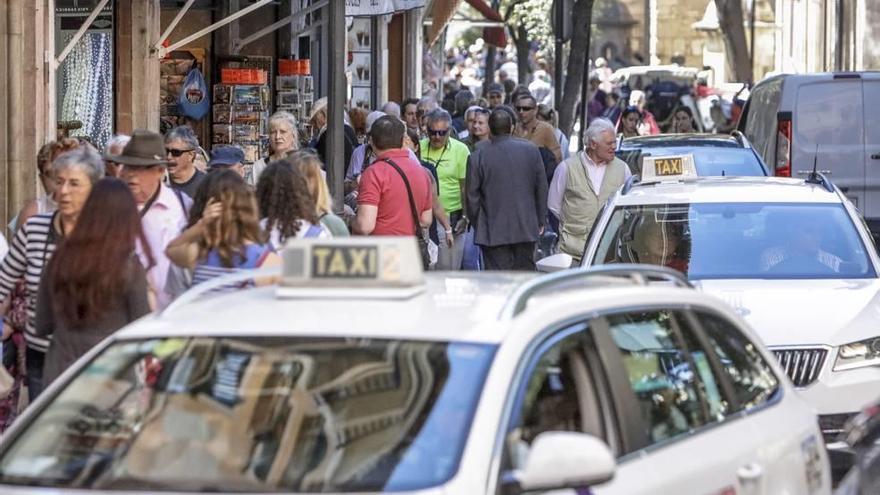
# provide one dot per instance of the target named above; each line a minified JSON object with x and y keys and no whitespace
{"x":441,"y":12}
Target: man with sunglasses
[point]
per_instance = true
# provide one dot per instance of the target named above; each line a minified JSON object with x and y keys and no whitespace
{"x":532,"y":129}
{"x":181,"y":146}
{"x":449,"y":157}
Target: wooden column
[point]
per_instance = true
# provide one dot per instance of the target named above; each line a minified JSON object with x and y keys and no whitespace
{"x":5,"y":191}
{"x":137,"y":70}
{"x":14,"y":107}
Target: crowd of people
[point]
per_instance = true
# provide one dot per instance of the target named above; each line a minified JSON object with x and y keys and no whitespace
{"x":122,"y":233}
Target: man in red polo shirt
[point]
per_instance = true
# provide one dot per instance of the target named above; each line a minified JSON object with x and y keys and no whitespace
{"x":384,"y":206}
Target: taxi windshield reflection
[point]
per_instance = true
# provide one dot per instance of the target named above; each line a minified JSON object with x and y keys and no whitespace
{"x":256,"y":414}
{"x":738,"y":241}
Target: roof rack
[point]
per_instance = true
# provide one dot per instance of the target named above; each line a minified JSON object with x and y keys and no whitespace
{"x":205,"y":288}
{"x":741,"y":139}
{"x":630,"y":182}
{"x":638,"y":274}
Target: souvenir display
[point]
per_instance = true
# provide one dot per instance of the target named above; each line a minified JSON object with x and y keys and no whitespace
{"x":294,"y":92}
{"x":241,"y":114}
{"x":222,"y":94}
{"x":222,"y":114}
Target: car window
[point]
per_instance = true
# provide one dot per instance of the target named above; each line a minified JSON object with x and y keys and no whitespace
{"x":661,"y":372}
{"x":557,"y":394}
{"x":752,"y":378}
{"x":761,"y":119}
{"x":301,"y":415}
{"x":738,"y":240}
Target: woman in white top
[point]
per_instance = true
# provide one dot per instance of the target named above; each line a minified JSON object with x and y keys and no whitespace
{"x":287,"y":210}
{"x":283,"y":139}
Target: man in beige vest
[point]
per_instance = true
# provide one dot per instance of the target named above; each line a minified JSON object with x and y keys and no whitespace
{"x":582,"y":184}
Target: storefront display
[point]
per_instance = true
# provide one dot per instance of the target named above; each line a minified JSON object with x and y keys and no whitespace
{"x":87,"y":86}
{"x":360,"y":62}
{"x":295,"y":92}
{"x":241,"y":114}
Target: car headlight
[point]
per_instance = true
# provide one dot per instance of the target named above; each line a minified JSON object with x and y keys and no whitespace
{"x":858,"y":354}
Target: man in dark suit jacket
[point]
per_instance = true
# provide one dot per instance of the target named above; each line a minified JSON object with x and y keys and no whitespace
{"x":506,"y":196}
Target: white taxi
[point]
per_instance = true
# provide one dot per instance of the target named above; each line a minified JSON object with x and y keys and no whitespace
{"x":359,"y":373}
{"x":792,"y":256}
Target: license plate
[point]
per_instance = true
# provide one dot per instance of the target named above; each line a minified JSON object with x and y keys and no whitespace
{"x":668,"y":166}
{"x":345,"y":262}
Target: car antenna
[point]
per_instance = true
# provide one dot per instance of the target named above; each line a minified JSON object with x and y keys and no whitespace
{"x":817,"y":177}
{"x":814,"y":175}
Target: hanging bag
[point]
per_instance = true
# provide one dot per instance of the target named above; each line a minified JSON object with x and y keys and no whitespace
{"x":193,"y":100}
{"x":423,"y":239}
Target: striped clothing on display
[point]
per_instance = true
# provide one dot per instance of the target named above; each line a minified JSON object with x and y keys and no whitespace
{"x":29,"y":253}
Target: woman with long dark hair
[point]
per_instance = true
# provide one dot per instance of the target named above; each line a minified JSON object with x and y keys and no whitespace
{"x":227,"y":237}
{"x":95,"y":283}
{"x":287,"y":209}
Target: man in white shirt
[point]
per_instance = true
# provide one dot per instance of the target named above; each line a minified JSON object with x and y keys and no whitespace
{"x":163,"y":210}
{"x":583,"y":183}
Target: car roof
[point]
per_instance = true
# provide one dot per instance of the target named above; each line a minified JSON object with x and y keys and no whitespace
{"x":454,"y":306}
{"x":680,"y":140}
{"x":728,"y":190}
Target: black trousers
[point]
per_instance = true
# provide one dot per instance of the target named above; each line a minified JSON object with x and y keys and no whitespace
{"x":520,"y":256}
{"x":34,"y":361}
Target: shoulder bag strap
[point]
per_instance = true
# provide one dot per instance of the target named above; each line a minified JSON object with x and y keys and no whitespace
{"x":412,"y":202}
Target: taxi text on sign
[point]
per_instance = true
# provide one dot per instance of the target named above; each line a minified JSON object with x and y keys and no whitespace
{"x":379,"y":7}
{"x":668,"y":166}
{"x":355,"y":262}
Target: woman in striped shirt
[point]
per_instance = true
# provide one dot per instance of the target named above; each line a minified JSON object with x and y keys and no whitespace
{"x":227,"y":238}
{"x":74,"y":172}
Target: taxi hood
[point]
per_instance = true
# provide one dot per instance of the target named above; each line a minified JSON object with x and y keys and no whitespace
{"x":803,"y":312}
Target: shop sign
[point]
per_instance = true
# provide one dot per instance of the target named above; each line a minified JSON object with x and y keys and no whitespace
{"x":356,"y":8}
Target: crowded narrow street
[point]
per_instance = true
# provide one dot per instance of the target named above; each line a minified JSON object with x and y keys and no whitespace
{"x":604,"y":247}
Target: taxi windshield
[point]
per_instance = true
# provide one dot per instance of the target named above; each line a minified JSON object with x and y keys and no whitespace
{"x":738,"y":240}
{"x":710,"y":161}
{"x":256,"y":414}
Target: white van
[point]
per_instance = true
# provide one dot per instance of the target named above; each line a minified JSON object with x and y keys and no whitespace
{"x":791,"y":119}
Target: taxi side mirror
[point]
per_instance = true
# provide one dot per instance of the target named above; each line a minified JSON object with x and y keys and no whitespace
{"x":555,"y":263}
{"x":561,"y":459}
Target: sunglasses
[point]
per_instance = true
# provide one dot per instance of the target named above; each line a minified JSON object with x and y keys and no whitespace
{"x":438,"y":132}
{"x":176,"y":153}
{"x":524,"y":109}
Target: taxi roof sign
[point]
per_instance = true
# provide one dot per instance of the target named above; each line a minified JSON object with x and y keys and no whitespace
{"x":671,"y":167}
{"x":351,"y":267}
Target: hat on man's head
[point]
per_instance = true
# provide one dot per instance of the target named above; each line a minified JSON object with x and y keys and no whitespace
{"x":495,"y":88}
{"x":225,"y":156}
{"x":145,"y":149}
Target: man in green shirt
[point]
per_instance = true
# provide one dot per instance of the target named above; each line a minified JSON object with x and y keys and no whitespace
{"x":449,"y":157}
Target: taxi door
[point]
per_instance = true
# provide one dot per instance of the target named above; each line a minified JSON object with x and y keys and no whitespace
{"x":678,"y":436}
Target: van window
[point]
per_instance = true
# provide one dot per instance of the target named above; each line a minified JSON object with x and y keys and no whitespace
{"x":761,"y":120}
{"x":829,"y":113}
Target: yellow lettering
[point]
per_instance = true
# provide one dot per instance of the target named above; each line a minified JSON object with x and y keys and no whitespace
{"x":358,"y":262}
{"x":337,"y":263}
{"x":372,"y":261}
{"x":320,"y":256}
